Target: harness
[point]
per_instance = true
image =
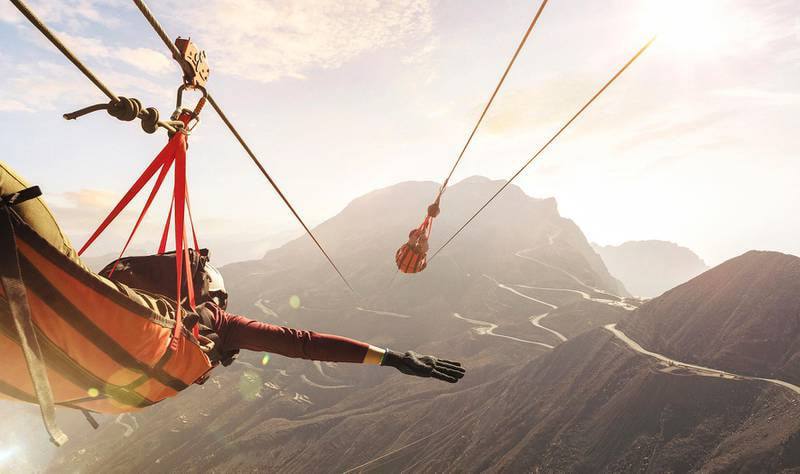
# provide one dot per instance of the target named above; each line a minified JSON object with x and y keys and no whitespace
{"x":68,"y":338}
{"x":17,"y":298}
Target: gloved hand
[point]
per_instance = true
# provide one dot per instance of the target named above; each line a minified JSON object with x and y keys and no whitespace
{"x":420,"y":365}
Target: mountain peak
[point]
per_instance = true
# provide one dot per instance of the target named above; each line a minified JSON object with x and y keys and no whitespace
{"x":650,"y":267}
{"x":478,"y":179}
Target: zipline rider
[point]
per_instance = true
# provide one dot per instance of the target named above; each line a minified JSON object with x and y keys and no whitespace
{"x":229,"y":332}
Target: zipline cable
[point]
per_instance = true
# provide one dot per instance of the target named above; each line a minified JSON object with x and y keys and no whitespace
{"x":411,"y":257}
{"x":119,"y":104}
{"x":275,"y":186}
{"x":491,"y":98}
{"x":552,"y":139}
{"x":177,"y":56}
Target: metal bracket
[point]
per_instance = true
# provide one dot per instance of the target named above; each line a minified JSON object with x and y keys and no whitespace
{"x":193,"y":62}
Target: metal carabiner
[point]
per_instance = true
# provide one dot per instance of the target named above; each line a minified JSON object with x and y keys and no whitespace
{"x":194,"y":114}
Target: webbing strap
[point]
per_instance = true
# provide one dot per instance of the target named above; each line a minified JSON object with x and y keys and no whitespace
{"x":21,"y":196}
{"x":427,"y":224}
{"x":191,"y":221}
{"x":89,"y":418}
{"x":14,"y":287}
{"x":148,"y":173}
{"x":173,"y":152}
{"x":181,"y":249}
{"x":165,"y":167}
{"x":162,"y":247}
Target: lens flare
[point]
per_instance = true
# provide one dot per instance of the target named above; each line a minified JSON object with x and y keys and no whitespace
{"x":265,"y":359}
{"x":8,"y":454}
{"x":93,"y":392}
{"x":294,"y":302}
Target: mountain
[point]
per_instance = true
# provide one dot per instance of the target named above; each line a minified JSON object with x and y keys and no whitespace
{"x":742,"y":316}
{"x":480,"y":301}
{"x":593,"y":404}
{"x":523,"y":301}
{"x":365,"y":235}
{"x":599,"y":403}
{"x":651,"y":267}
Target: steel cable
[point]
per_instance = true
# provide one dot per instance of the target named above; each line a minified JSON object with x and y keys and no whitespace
{"x":491,"y":98}
{"x":151,"y":19}
{"x":551,"y":140}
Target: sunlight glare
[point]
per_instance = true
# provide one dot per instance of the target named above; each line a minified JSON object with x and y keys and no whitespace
{"x":689,"y":27}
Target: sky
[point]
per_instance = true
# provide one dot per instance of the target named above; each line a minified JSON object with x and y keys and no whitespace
{"x":696,"y":143}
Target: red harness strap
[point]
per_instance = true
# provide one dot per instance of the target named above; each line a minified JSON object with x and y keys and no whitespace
{"x":167,"y":164}
{"x":166,"y":154}
{"x":181,"y":250}
{"x":162,"y":247}
{"x":173,"y":152}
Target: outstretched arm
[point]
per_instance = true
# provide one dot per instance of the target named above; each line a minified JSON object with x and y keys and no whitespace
{"x":237,"y":332}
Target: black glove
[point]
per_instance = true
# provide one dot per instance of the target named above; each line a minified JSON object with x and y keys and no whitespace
{"x":420,"y":365}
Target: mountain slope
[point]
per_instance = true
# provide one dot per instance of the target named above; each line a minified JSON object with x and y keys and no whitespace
{"x":595,"y":405}
{"x":468,"y":305}
{"x":742,"y":316}
{"x":365,"y":235}
{"x":547,"y":389}
{"x":651,"y":267}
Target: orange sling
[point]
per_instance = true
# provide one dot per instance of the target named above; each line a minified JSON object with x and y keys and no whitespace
{"x":101,"y":351}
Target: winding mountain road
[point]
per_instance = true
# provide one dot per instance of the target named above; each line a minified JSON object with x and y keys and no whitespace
{"x":310,"y":382}
{"x":695,"y":369}
{"x":584,"y":295}
{"x":384,"y":313}
{"x":537,"y":319}
{"x":487,"y":328}
{"x":577,"y":280}
{"x":129,"y":428}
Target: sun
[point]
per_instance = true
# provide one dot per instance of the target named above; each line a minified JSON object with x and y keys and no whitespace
{"x":692,"y":27}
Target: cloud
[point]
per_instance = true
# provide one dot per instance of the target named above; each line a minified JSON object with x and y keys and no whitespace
{"x":91,"y":198}
{"x":46,"y":86}
{"x":148,"y":60}
{"x":41,"y":86}
{"x":422,"y":54}
{"x":78,"y":213}
{"x":144,"y":59}
{"x":266,"y":41}
{"x":76,"y":14}
{"x":12,"y":105}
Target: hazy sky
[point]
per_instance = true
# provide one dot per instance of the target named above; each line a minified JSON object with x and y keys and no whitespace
{"x":697,"y":143}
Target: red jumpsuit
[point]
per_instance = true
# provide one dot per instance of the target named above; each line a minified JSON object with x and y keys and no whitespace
{"x":237,"y":332}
